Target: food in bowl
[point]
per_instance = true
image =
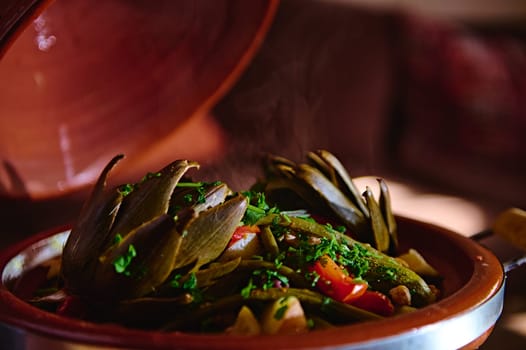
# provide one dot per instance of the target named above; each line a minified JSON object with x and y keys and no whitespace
{"x":301,"y":250}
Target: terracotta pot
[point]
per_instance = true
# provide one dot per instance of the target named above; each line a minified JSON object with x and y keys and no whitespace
{"x":80,"y":83}
{"x":472,"y":301}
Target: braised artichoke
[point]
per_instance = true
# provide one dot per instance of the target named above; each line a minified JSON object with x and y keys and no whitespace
{"x":324,"y":183}
{"x":130,"y":238}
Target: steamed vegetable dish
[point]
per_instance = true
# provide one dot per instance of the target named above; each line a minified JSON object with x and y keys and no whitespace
{"x":301,"y":250}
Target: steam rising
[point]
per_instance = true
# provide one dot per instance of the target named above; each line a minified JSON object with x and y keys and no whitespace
{"x":319,"y":81}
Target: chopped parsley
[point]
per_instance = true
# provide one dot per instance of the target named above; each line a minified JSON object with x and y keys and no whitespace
{"x":353,"y":257}
{"x":149,"y":176}
{"x":257,"y":208}
{"x":188,"y":284}
{"x":389,"y":273}
{"x":264,"y":279}
{"x":279,"y":259}
{"x":126,"y":189}
{"x":191,"y":282}
{"x":245,"y":292}
{"x":188,"y":198}
{"x":313,"y":277}
{"x":201,"y":195}
{"x":200,"y":187}
{"x":281,"y":311}
{"x":253,"y":214}
{"x":117,"y":239}
{"x":270,"y":279}
{"x":122,"y":263}
{"x":175,"y":282}
{"x":341,"y":229}
{"x":310,"y":323}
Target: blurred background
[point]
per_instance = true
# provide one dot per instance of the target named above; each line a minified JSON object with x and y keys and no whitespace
{"x":429,"y":95}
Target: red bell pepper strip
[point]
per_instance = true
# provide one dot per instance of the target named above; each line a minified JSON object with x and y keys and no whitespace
{"x":335,"y":282}
{"x":375,"y":302}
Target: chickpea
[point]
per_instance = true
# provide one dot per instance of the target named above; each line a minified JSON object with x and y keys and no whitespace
{"x":400,"y":295}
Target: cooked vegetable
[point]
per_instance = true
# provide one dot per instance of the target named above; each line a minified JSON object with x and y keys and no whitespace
{"x":400,"y":295}
{"x":245,"y":324}
{"x":376,"y":302}
{"x":301,"y":250}
{"x":284,"y":315}
{"x":333,"y":281}
{"x":416,"y":262}
{"x":326,"y":187}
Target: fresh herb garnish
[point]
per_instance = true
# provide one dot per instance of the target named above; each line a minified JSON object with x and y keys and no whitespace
{"x":149,"y":176}
{"x":350,"y":256}
{"x":175,"y":282}
{"x":122,"y":263}
{"x":245,"y":292}
{"x":117,"y":239}
{"x":271,"y":279}
{"x":264,"y":279}
{"x":188,"y":198}
{"x":279,"y":259}
{"x":201,"y":195}
{"x":257,"y":208}
{"x":310,"y":323}
{"x":341,"y":228}
{"x":126,"y":189}
{"x":388,"y":273}
{"x":191,"y":282}
{"x":280,"y":312}
{"x":188,"y":284}
{"x":313,"y":276}
{"x":200,"y":187}
{"x":253,"y":214}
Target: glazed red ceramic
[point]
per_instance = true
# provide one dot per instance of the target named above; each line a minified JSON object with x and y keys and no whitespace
{"x":471,"y":303}
{"x":81,"y":82}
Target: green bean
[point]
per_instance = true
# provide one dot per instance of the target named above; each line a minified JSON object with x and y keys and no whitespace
{"x":296,"y":278}
{"x":189,"y":320}
{"x":269,"y":241}
{"x":337,"y":310}
{"x":333,"y":309}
